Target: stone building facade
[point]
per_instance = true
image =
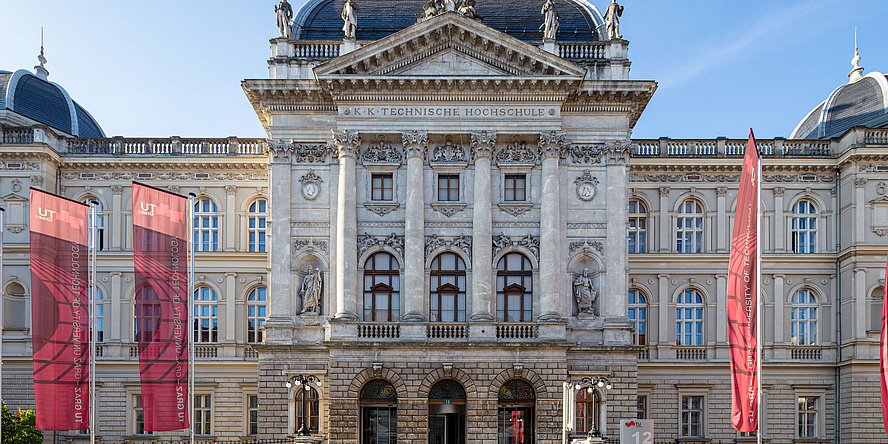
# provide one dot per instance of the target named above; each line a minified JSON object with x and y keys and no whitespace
{"x":449,"y":225}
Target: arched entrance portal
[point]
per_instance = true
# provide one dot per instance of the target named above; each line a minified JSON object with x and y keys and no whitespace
{"x":516,"y":413}
{"x":447,"y":413}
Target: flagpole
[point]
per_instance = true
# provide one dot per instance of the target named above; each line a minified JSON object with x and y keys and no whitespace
{"x":758,"y":295}
{"x":92,"y":316}
{"x":190,"y":299}
{"x":2,"y":212}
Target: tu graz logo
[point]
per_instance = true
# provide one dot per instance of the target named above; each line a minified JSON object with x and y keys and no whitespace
{"x":45,"y":215}
{"x":147,"y":209}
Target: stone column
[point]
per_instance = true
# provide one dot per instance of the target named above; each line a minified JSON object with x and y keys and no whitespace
{"x":346,"y":146}
{"x":230,"y":222}
{"x":614,"y":307}
{"x":779,"y":222}
{"x":665,"y":222}
{"x":723,"y":231}
{"x":779,"y":297}
{"x":483,"y":297}
{"x":550,"y":144}
{"x":279,"y":322}
{"x":116,"y":217}
{"x":415,"y":143}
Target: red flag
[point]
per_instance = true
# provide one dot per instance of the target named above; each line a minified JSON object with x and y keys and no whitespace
{"x":743,"y":274}
{"x":883,"y":358}
{"x":60,"y":310}
{"x":160,"y":247}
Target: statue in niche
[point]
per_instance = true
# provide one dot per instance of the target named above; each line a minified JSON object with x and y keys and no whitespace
{"x":551,"y":21}
{"x":284,"y":14}
{"x":310,"y":292}
{"x":584,"y":292}
{"x":349,"y":16}
{"x":612,"y":19}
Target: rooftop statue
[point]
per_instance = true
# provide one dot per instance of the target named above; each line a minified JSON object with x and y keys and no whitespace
{"x":284,"y":14}
{"x":350,"y":18}
{"x":612,"y":19}
{"x":550,"y":20}
{"x":450,"y":5}
{"x":430,"y":9}
{"x":468,"y":10}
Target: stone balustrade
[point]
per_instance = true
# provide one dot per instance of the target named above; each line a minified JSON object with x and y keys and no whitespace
{"x":315,"y":49}
{"x":324,"y":49}
{"x":582,"y":50}
{"x":723,"y":147}
{"x":446,"y":331}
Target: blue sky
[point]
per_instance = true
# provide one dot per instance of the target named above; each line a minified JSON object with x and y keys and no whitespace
{"x":173,"y":67}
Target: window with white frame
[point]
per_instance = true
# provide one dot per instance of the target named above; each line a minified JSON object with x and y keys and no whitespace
{"x":804,"y":227}
{"x":206,"y":315}
{"x":100,"y":223}
{"x":689,"y":228}
{"x":382,"y":187}
{"x":99,"y":315}
{"x":637,"y":227}
{"x":206,"y":225}
{"x":256,"y":305}
{"x":692,"y":416}
{"x":256,"y":224}
{"x":807,"y":416}
{"x":689,"y":318}
{"x":803,"y":318}
{"x":203,"y":415}
{"x":448,"y":187}
{"x":638,"y":317}
{"x":138,"y":417}
{"x":515,"y":187}
{"x":15,"y":307}
{"x":252,"y":415}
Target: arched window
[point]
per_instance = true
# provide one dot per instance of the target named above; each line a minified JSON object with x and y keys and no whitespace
{"x":100,"y":313}
{"x":382,"y":288}
{"x":803,"y":319}
{"x":314,"y":409}
{"x":876,"y":298}
{"x":256,"y":225}
{"x":100,"y":223}
{"x":206,"y":225}
{"x":638,"y":317}
{"x":514,"y":288}
{"x":637,"y":227}
{"x":379,"y":412}
{"x":689,"y":318}
{"x":15,"y":309}
{"x":588,"y":410}
{"x":448,"y":288}
{"x":689,"y":228}
{"x":447,"y":412}
{"x":255,"y":315}
{"x":515,"y":418}
{"x":804,"y":227}
{"x":206,"y":315}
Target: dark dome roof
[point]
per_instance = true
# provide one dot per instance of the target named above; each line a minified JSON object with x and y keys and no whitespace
{"x":850,"y":105}
{"x":321,"y":19}
{"x":47,"y":103}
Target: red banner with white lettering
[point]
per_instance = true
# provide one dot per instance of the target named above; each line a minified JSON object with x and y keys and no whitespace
{"x":883,"y":357}
{"x":743,"y":274}
{"x":60,"y":310}
{"x":160,"y":245}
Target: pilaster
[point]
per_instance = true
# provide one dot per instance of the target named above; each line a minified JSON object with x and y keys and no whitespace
{"x":279,"y":322}
{"x":483,"y":300}
{"x":551,"y":306}
{"x":114,"y":334}
{"x":230,"y":296}
{"x":230,"y":222}
{"x":721,"y":220}
{"x":859,"y":210}
{"x":116,"y":217}
{"x":415,"y":143}
{"x":663,"y":298}
{"x":665,"y":221}
{"x":614,"y":308}
{"x":779,"y":298}
{"x":860,"y":319}
{"x":346,"y":146}
{"x":779,"y":223}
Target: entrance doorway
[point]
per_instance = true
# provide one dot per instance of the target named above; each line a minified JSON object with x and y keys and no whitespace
{"x":447,"y":413}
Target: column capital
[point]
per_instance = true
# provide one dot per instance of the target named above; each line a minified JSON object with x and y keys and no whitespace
{"x":279,"y":151}
{"x":860,"y":182}
{"x":778,"y":191}
{"x":662,"y":276}
{"x":117,"y":189}
{"x":664,"y":191}
{"x":415,"y":143}
{"x":616,"y":153}
{"x":721,"y":191}
{"x":116,"y":274}
{"x":860,"y":270}
{"x":231,"y":274}
{"x":551,"y":144}
{"x":721,"y":276}
{"x":779,"y":276}
{"x":345,"y":143}
{"x":483,"y":143}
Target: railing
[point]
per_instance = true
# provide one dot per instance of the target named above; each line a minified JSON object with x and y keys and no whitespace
{"x":250,"y":353}
{"x":582,"y":51}
{"x":379,"y":331}
{"x":171,"y":146}
{"x":447,"y":331}
{"x":876,"y":137}
{"x":315,"y":50}
{"x":18,"y":135}
{"x":806,"y":354}
{"x":666,"y":147}
{"x":644,"y":355}
{"x":206,"y":351}
{"x":690,"y":354}
{"x":517,"y":331}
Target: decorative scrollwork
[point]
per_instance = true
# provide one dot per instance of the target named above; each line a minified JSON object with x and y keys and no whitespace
{"x":382,"y":152}
{"x":530,"y":242}
{"x":461,"y":242}
{"x":367,"y":242}
{"x":517,"y":152}
{"x":449,"y":153}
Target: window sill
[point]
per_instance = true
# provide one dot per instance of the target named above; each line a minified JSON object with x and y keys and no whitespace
{"x":750,"y":440}
{"x":382,"y":208}
{"x":448,"y":208}
{"x":810,"y":441}
{"x":689,"y":440}
{"x":515,"y":208}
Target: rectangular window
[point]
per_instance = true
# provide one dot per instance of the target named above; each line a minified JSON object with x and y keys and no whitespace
{"x":641,"y":407}
{"x":138,"y":417}
{"x":515,"y":189}
{"x":382,"y":187}
{"x":203,"y":414}
{"x":692,"y":416}
{"x":808,"y":416}
{"x":448,"y":187}
{"x":252,"y":414}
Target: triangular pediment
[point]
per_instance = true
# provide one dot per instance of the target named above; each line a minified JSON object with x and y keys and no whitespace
{"x":449,"y":45}
{"x":12,"y":197}
{"x":879,"y":201}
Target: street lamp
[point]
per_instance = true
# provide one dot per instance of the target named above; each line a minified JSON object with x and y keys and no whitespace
{"x":600,"y":382}
{"x":303,"y":380}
